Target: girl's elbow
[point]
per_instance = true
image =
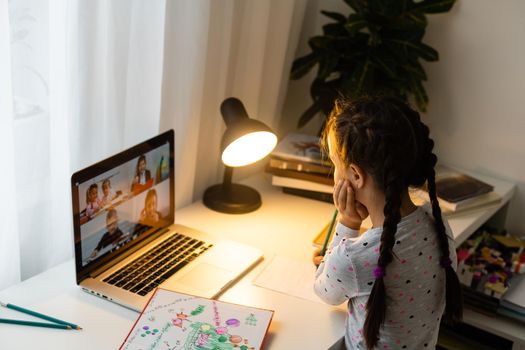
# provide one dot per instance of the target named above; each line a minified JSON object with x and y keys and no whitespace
{"x":325,"y":296}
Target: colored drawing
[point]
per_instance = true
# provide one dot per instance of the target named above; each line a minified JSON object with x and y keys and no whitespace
{"x":201,"y":328}
{"x":198,"y":310}
{"x":216,"y":316}
{"x":251,"y":320}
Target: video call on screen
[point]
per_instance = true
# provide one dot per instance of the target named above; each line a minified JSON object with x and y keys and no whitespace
{"x":119,"y":205}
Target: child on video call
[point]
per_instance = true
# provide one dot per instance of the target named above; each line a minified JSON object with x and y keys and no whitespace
{"x":113,"y":234}
{"x":149,"y":215}
{"x":93,"y":203}
{"x":108,"y":195}
{"x":142,"y":178}
{"x":399,"y":276}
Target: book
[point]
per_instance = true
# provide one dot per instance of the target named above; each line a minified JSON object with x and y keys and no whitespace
{"x":325,"y":179}
{"x":296,"y":165}
{"x":456,"y":191}
{"x":300,"y":147}
{"x":420,"y":197}
{"x":172,"y":320}
{"x":320,"y":196}
{"x":454,"y":186}
{"x":301,"y":184}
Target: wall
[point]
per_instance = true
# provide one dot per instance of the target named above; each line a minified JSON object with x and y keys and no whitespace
{"x":476,"y":90}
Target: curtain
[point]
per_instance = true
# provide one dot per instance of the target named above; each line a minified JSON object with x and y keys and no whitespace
{"x":82,"y":80}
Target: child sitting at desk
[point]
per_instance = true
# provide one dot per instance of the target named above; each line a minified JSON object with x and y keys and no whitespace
{"x":398,"y":277}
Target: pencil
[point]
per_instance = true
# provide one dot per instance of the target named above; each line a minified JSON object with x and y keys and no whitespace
{"x":35,"y":324}
{"x":39,"y":315}
{"x":323,"y":251}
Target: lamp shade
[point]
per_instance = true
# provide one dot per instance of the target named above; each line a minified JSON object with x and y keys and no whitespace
{"x":245,"y":141}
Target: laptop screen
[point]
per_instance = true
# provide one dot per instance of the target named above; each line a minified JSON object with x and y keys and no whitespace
{"x":122,"y":200}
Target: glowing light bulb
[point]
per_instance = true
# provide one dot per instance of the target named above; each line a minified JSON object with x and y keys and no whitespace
{"x":249,"y":148}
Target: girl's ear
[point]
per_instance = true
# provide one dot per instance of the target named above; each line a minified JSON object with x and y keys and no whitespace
{"x":356,"y":175}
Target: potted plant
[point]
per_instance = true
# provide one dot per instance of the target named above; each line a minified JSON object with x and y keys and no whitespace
{"x":375,"y":49}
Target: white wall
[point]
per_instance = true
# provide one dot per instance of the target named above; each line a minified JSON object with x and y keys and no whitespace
{"x":477,"y":92}
{"x":477,"y":89}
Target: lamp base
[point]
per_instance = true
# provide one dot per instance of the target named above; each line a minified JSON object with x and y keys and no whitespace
{"x":232,"y":199}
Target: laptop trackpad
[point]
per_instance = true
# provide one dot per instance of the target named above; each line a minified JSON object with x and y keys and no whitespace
{"x":206,"y":278}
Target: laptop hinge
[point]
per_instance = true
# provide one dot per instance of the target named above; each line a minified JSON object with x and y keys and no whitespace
{"x":117,"y":259}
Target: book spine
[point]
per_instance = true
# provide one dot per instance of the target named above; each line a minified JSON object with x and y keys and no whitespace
{"x":320,"y":179}
{"x":283,"y":164}
{"x":301,"y":184}
{"x":320,"y":196}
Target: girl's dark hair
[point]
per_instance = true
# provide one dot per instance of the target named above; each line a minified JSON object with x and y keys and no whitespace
{"x":142,"y":158}
{"x":387,"y":139}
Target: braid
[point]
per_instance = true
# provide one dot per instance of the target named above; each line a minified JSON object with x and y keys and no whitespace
{"x":453,"y":295}
{"x":376,"y":305}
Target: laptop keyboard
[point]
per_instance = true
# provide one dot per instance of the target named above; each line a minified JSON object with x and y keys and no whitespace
{"x":158,"y":264}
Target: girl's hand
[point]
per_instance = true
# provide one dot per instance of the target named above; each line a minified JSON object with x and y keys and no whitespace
{"x":351,"y":212}
{"x":317,"y":257}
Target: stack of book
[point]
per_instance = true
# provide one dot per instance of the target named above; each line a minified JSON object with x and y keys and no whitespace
{"x":297,"y":165}
{"x":457,"y":191}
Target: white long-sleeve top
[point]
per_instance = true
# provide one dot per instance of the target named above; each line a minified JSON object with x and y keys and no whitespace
{"x":414,"y":282}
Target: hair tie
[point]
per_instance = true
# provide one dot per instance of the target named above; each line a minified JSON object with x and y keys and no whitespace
{"x":379,"y":272}
{"x":445,"y":262}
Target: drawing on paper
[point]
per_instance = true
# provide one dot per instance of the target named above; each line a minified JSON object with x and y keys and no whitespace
{"x":200,"y":324}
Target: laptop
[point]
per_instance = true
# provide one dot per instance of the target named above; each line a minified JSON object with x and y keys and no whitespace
{"x":126,"y":241}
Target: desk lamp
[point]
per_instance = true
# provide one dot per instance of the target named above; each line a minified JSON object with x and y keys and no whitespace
{"x":245,"y":141}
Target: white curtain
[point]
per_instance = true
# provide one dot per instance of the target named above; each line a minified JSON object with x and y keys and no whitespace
{"x":81,"y":80}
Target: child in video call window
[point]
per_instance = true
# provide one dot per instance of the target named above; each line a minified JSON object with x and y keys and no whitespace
{"x":93,"y":203}
{"x":142,"y":179}
{"x":113,"y":234}
{"x":149,"y":215}
{"x":107,"y":193}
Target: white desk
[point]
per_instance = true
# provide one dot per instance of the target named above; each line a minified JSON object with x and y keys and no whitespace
{"x":285,"y":225}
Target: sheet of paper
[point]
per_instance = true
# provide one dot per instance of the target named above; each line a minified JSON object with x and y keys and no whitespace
{"x":178,"y":321}
{"x":289,"y":276}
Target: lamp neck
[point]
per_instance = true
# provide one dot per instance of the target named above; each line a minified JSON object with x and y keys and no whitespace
{"x":227,"y":179}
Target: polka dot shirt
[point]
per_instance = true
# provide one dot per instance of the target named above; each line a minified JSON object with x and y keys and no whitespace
{"x":414,"y":282}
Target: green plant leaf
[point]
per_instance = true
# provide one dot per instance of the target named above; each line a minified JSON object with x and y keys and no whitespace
{"x":319,"y":42}
{"x":386,"y":64}
{"x":434,"y":6}
{"x":360,"y":79}
{"x":420,"y":95}
{"x":302,"y":65}
{"x":416,"y":69}
{"x":424,"y":51}
{"x":334,"y":15}
{"x":327,"y":65}
{"x":355,"y":23}
{"x":335,"y":30}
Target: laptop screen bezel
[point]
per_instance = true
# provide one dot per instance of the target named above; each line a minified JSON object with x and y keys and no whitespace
{"x":86,"y":174}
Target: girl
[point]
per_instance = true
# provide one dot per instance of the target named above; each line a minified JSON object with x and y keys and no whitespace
{"x":107,"y":193}
{"x":142,"y":179}
{"x":398,"y":277}
{"x":149,"y":215}
{"x":92,"y":201}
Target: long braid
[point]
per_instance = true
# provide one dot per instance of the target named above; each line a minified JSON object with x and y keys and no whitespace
{"x":453,"y":295}
{"x":376,"y":305}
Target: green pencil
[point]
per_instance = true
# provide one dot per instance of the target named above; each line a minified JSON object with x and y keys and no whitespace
{"x":323,"y":251}
{"x":35,"y":324}
{"x":39,"y":315}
